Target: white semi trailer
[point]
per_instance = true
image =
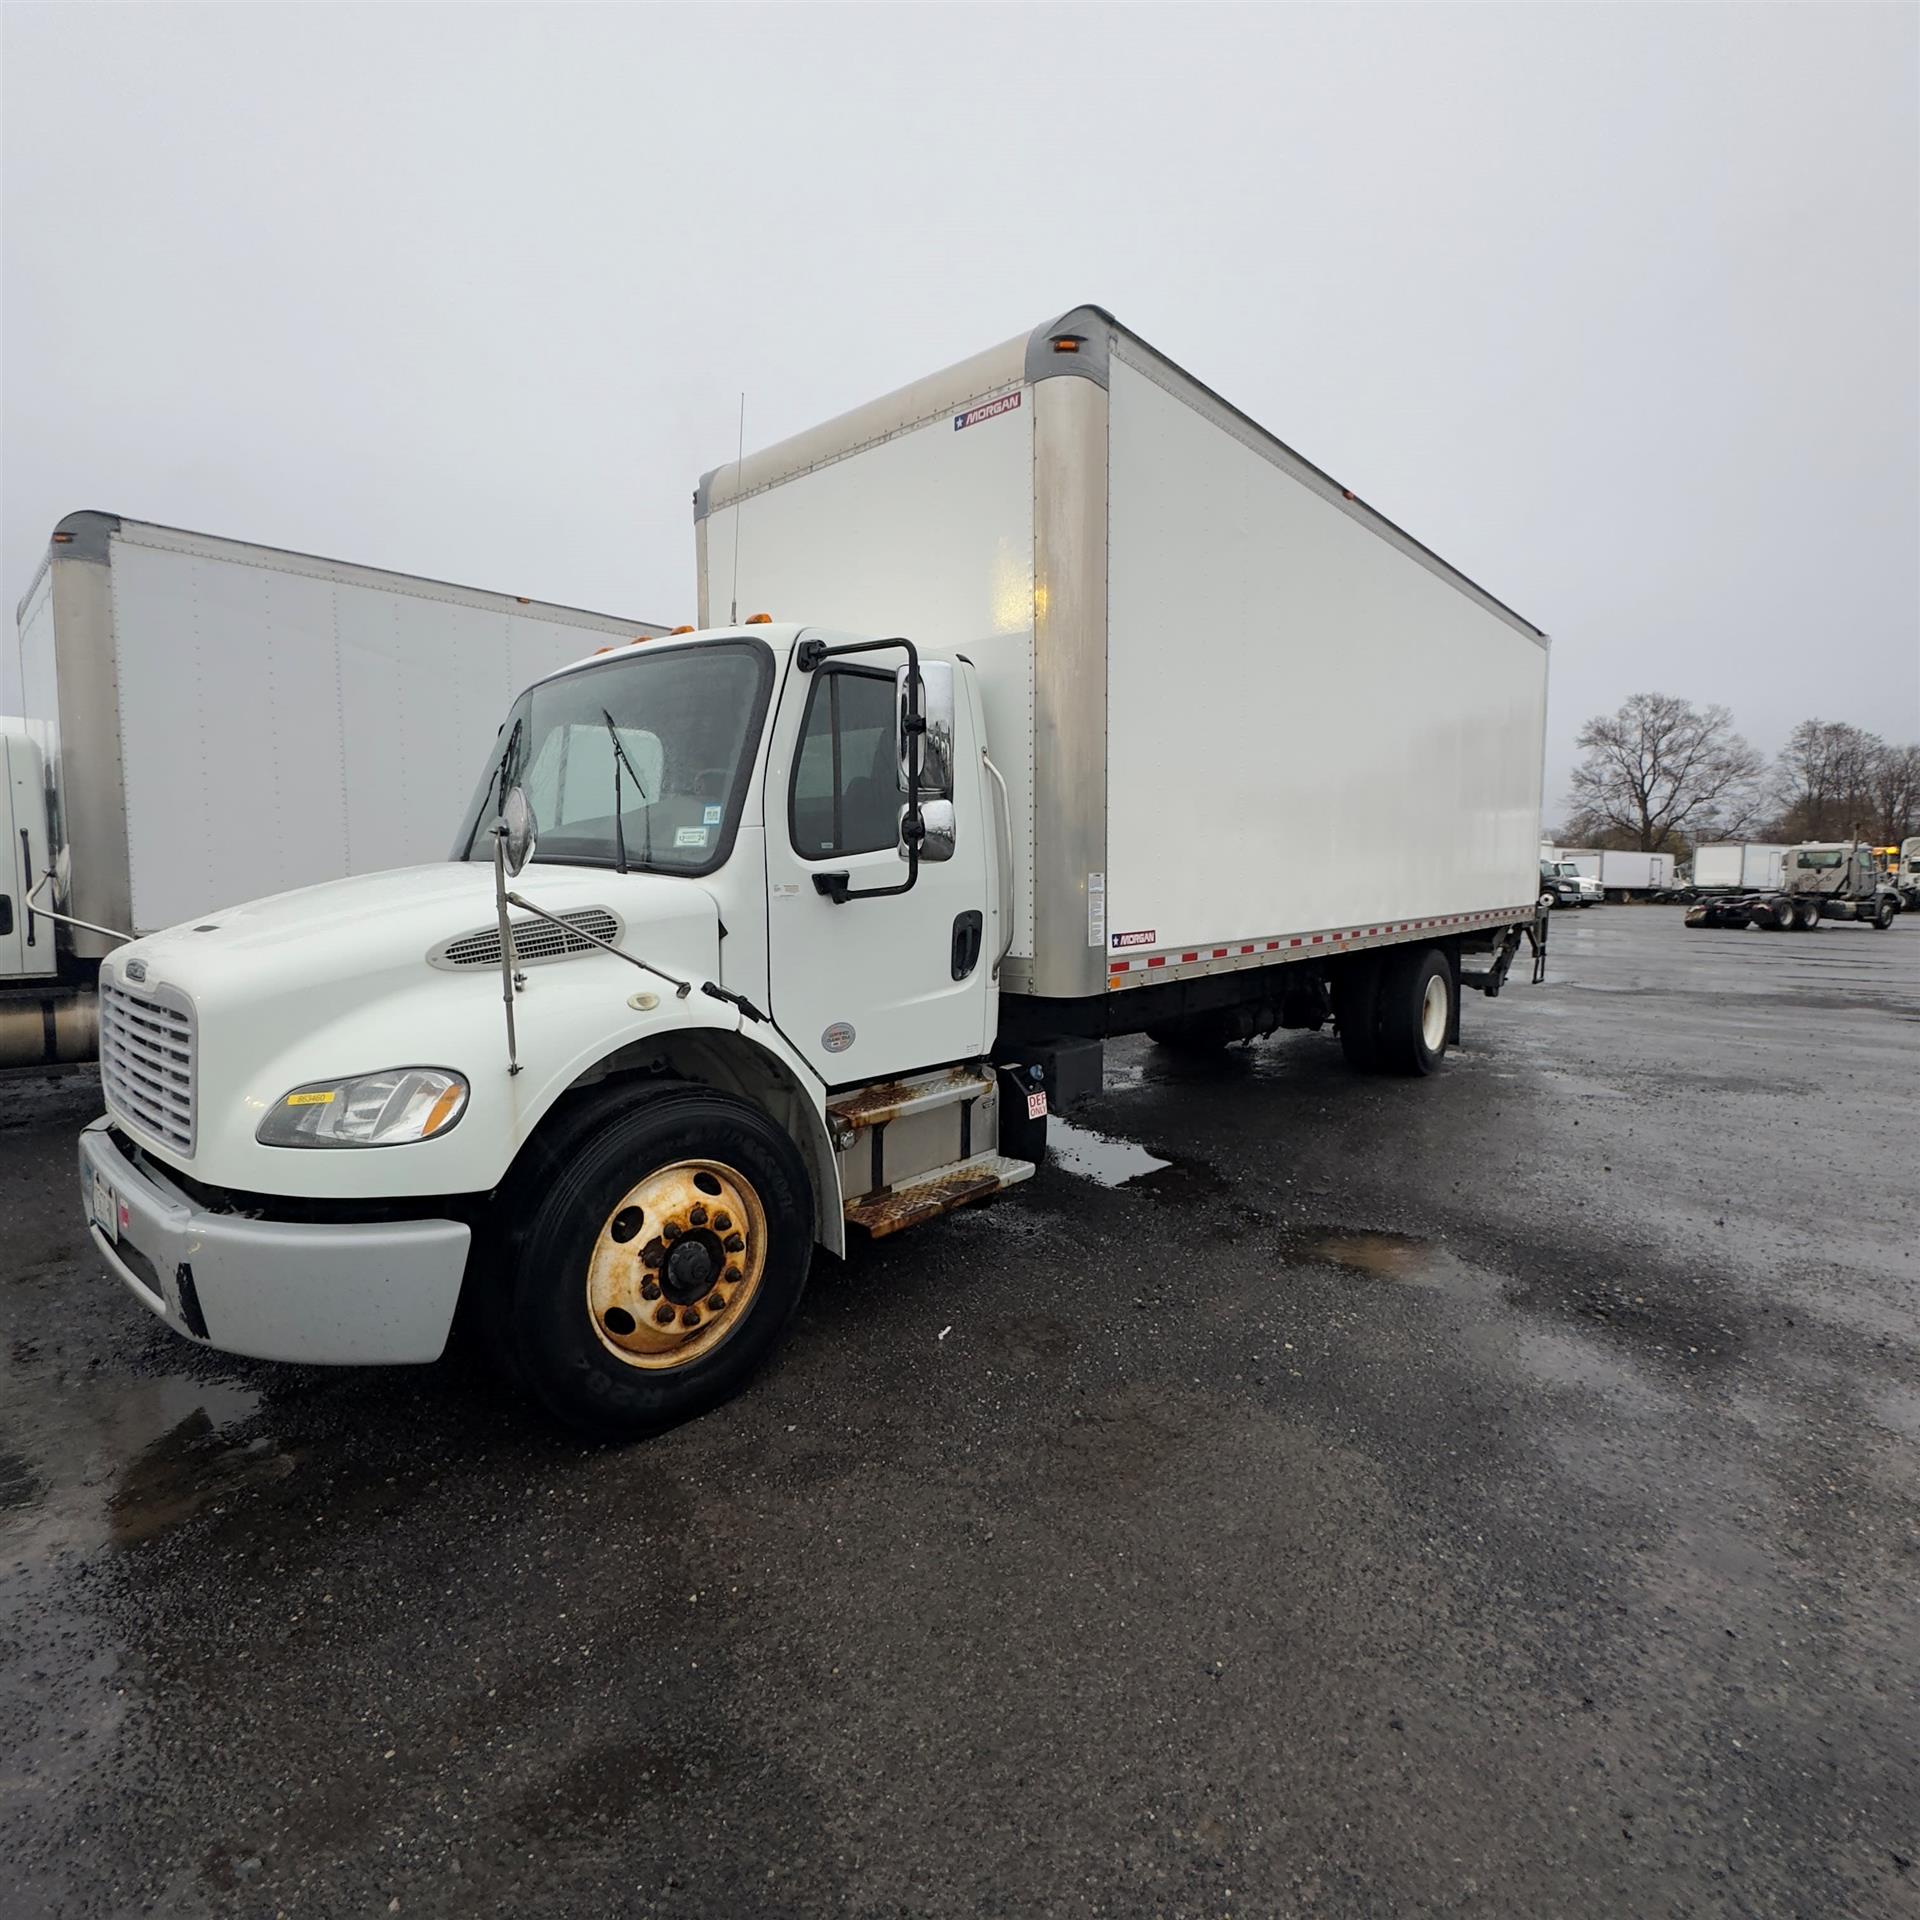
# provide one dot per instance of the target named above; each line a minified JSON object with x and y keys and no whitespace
{"x":1119,"y":717}
{"x":1737,"y":867}
{"x":204,"y":719}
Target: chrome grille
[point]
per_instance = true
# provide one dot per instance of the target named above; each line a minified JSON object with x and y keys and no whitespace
{"x":533,"y":940}
{"x":147,"y":1060}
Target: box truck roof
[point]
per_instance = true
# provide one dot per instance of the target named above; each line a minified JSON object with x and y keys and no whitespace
{"x":87,"y":535}
{"x":1079,"y":343}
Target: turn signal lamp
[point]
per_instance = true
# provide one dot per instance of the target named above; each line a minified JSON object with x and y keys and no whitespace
{"x":759,"y":620}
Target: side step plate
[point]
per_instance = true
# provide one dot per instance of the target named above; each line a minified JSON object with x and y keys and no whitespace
{"x":933,"y":1194}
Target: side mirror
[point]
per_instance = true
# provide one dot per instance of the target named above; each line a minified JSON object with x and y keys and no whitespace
{"x":519,"y":831}
{"x":935,"y":745}
{"x":938,"y":830}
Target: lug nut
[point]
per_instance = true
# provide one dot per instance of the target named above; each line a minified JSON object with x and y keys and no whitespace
{"x":697,"y":1216}
{"x":649,"y":1289}
{"x":672,"y":1230}
{"x":731,"y":1275}
{"x":734,"y":1243}
{"x":654,"y":1252}
{"x":722,"y":1221}
{"x":663,"y":1314}
{"x":691,"y":1318}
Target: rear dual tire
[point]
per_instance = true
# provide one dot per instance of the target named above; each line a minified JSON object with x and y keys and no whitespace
{"x":1395,"y":1011}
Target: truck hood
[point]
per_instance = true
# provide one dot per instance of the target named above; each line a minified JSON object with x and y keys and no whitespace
{"x":374,"y":933}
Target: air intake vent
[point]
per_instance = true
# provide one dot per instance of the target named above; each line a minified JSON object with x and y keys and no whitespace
{"x":533,"y":940}
{"x":147,"y":1061}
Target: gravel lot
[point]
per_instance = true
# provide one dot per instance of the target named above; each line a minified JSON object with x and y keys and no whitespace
{"x":1494,"y":1495}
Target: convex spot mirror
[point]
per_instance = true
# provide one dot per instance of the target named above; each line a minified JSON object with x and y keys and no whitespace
{"x":935,"y":746}
{"x":937,"y":830}
{"x":519,"y":831}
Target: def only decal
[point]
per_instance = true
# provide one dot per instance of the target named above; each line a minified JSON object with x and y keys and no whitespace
{"x":987,"y":410}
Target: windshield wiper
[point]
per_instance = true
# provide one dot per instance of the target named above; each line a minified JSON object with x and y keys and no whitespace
{"x":640,"y":786}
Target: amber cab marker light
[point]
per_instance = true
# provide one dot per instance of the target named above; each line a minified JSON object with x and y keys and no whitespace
{"x":63,"y":539}
{"x":759,"y":620}
{"x":673,"y":630}
{"x":1066,"y":342}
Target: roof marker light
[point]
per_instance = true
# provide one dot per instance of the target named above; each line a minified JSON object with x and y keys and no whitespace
{"x":759,"y":620}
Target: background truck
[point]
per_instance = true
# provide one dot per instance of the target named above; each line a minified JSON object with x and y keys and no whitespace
{"x":203,"y":720}
{"x":1908,"y":878}
{"x":1584,"y":882}
{"x":1819,"y":880}
{"x":1120,"y":717}
{"x":1634,"y":876}
{"x":1737,"y":867}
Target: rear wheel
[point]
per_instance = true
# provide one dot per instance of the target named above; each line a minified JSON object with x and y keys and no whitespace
{"x":661,"y":1265}
{"x":1781,"y":916}
{"x":1416,"y":1010}
{"x":1806,"y":915}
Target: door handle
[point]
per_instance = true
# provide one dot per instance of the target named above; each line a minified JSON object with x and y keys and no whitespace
{"x":966,"y":942}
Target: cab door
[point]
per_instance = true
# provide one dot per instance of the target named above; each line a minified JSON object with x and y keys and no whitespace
{"x":869,"y":987}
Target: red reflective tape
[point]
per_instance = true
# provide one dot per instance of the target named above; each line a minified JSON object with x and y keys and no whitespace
{"x":1247,"y":948}
{"x":1319,"y":939}
{"x":1186,"y":957}
{"x":1158,"y":960}
{"x":1118,"y":966}
{"x":1295,"y":941}
{"x":1219,"y":953}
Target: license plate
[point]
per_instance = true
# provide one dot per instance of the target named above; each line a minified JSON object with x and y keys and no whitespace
{"x":106,"y":1208}
{"x":1036,"y":1106}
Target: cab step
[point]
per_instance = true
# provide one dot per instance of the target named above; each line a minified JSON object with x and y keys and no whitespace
{"x":889,"y":1100}
{"x":932,"y":1194}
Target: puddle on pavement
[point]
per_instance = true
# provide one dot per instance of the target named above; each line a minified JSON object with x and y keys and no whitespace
{"x":1122,"y":1163}
{"x":124,"y":1465}
{"x":1392,"y":1256}
{"x":1097,"y":1156}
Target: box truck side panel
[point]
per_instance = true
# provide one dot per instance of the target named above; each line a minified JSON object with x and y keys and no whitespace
{"x":928,"y":533}
{"x":1308,"y":729}
{"x":229,"y":730}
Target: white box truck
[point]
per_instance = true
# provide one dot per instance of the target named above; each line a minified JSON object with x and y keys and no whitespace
{"x":204,"y":719}
{"x":1118,"y":717}
{"x":1634,"y":876}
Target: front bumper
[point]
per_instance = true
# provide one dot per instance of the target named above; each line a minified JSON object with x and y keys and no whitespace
{"x":346,"y":1295}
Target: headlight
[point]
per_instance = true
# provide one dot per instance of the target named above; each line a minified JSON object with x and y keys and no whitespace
{"x":375,"y":1110}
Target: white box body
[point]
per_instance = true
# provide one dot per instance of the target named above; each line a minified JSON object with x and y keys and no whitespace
{"x":220,"y":720}
{"x":1748,"y":867}
{"x":1232,"y":704}
{"x":1635,"y":872}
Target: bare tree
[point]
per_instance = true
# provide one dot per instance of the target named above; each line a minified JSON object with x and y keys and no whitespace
{"x":1662,"y":772}
{"x":1896,"y":795}
{"x":1826,"y":781}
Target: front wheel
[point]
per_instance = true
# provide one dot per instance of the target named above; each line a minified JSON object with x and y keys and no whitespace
{"x":659,"y":1269}
{"x":1883,"y":916}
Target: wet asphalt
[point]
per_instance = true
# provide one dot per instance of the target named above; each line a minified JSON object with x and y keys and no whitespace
{"x":1491,"y":1495}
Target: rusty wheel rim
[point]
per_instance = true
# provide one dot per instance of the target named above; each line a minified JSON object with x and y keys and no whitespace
{"x":677,"y":1264}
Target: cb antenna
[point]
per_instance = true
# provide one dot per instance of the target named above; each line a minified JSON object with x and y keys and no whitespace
{"x":739,"y":454}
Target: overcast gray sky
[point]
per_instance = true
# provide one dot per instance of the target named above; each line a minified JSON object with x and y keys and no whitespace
{"x":1615,"y":306}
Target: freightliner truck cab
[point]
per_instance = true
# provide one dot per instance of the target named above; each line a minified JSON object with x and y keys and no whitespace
{"x":712,"y":971}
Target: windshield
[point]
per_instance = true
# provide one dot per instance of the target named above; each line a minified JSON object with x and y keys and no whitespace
{"x":1567,"y":870}
{"x":687,"y":721}
{"x":1825,"y":857}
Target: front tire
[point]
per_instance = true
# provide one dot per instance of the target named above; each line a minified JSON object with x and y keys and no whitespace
{"x":662,"y":1264}
{"x":1883,"y":916}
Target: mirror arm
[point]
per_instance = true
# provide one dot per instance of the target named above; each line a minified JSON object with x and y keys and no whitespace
{"x":807,"y":658}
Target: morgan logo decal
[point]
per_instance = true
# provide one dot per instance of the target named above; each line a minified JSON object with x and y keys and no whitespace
{"x":1145,"y":939}
{"x":987,"y":410}
{"x":838,"y":1037}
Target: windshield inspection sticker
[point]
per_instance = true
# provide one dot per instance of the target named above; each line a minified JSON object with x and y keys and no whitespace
{"x":1135,"y":939}
{"x":711,"y":815}
{"x":690,"y":836}
{"x":987,"y":410}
